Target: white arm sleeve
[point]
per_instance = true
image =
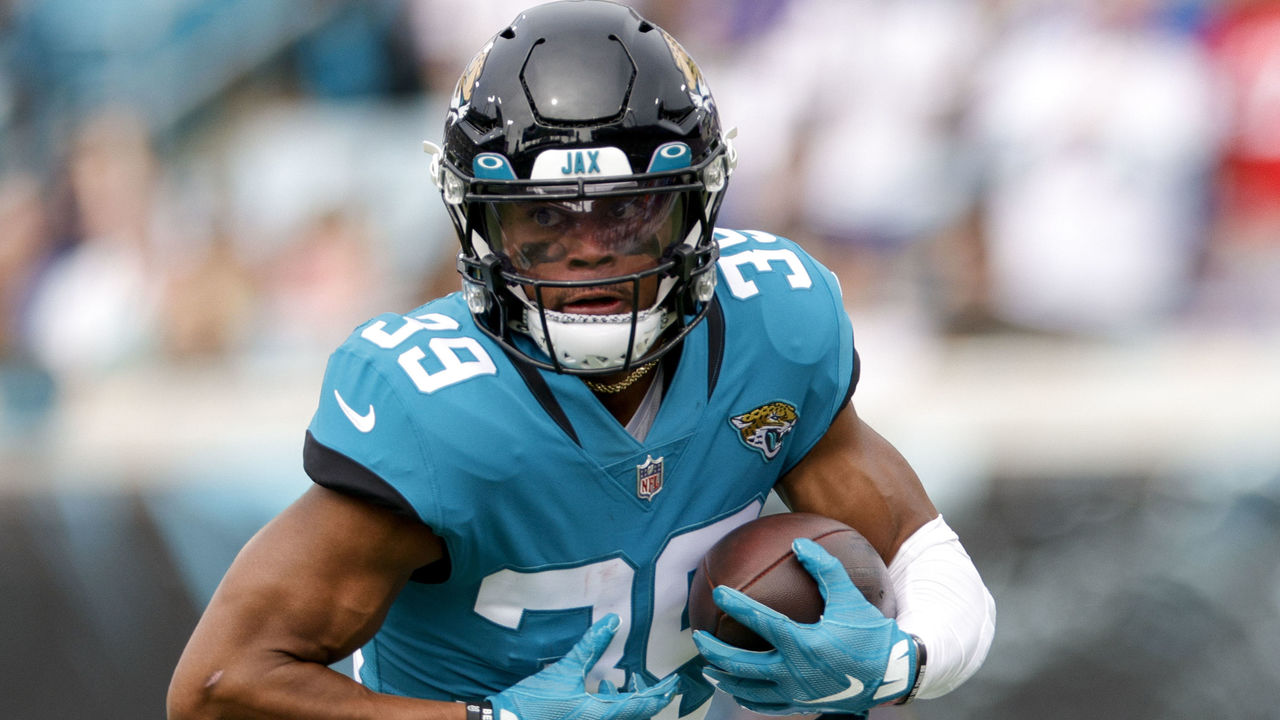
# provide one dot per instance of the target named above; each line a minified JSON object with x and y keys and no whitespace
{"x":942,"y":601}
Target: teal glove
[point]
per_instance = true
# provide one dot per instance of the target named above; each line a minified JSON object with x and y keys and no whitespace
{"x":559,"y":691}
{"x":851,"y":660}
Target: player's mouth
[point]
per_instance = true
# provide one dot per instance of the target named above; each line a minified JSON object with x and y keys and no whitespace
{"x":596,"y":302}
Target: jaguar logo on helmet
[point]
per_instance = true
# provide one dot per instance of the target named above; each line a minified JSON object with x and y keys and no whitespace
{"x":467,"y":83}
{"x":699,"y":93}
{"x":764,"y":427}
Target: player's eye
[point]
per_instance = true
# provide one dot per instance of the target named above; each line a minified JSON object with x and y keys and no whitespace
{"x":546,"y":217}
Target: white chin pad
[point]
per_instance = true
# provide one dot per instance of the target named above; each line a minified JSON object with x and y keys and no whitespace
{"x":596,"y":342}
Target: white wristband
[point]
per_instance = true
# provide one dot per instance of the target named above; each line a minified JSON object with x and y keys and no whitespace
{"x":942,"y":600}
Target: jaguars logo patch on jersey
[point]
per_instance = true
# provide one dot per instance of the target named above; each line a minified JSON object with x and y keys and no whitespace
{"x":764,"y":427}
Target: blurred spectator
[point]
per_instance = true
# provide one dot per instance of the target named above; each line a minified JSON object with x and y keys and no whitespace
{"x":209,"y":304}
{"x":853,"y":105}
{"x":446,"y":34}
{"x":361,"y":51}
{"x":24,"y":248}
{"x":96,"y":306}
{"x":25,"y":388}
{"x":1095,"y":128}
{"x":320,"y":285}
{"x":1244,"y":261}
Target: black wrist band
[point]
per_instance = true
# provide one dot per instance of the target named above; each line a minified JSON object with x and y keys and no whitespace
{"x":921,"y":659}
{"x":479,"y":710}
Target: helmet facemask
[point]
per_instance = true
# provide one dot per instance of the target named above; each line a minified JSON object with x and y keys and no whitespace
{"x":600,"y":276}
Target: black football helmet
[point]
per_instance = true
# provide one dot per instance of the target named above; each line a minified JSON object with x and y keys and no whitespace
{"x":582,"y":118}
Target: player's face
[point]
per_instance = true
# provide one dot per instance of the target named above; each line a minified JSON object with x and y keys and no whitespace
{"x":587,"y":240}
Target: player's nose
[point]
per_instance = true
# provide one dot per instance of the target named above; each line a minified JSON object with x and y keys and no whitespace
{"x":591,"y":247}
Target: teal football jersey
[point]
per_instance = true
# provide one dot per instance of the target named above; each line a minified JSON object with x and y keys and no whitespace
{"x":553,"y":515}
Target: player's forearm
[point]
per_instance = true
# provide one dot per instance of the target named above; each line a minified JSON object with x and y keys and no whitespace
{"x":294,"y":689}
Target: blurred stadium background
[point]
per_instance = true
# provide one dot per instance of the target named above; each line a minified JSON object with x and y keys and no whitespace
{"x":1057,"y":223}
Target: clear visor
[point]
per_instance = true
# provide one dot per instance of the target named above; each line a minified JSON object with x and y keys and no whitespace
{"x":560,"y":239}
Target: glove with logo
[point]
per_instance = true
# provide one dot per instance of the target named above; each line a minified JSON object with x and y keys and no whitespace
{"x":852,"y":659}
{"x":559,"y":691}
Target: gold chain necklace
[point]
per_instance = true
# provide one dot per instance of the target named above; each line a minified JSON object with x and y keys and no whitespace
{"x":624,"y":383}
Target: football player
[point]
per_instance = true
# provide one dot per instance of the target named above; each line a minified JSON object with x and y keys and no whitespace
{"x":513,"y":483}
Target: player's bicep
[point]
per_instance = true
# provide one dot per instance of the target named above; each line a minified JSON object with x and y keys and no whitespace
{"x":315,"y":583}
{"x":856,"y":476}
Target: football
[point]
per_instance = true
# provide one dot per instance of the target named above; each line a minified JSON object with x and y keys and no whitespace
{"x":757,"y":560}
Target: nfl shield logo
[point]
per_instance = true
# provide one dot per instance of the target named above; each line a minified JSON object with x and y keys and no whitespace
{"x":649,"y":478}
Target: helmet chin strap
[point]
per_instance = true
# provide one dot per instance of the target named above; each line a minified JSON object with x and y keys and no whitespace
{"x":596,"y":342}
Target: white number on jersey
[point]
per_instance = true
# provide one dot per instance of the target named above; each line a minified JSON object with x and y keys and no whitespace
{"x":762,"y":259}
{"x":462,"y":358}
{"x":606,"y":586}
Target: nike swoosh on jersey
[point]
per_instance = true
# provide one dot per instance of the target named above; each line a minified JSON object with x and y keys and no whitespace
{"x":855,"y":688}
{"x":364,"y":423}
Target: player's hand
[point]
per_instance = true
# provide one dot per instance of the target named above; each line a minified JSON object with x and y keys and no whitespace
{"x":851,"y":660}
{"x":559,"y":691}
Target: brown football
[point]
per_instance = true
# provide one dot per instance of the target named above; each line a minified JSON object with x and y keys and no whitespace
{"x":756,"y":559}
